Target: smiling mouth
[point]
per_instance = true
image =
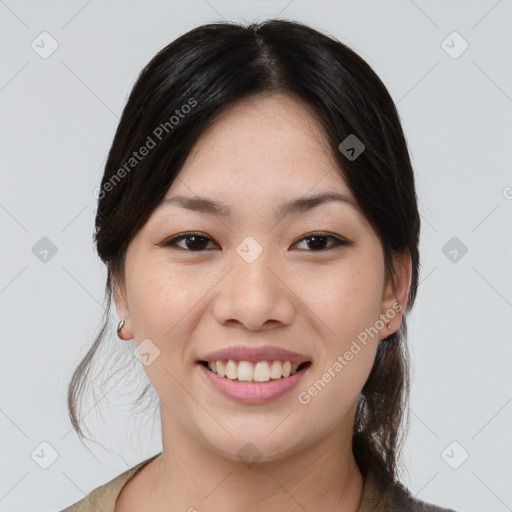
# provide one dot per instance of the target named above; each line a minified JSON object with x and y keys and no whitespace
{"x":246,"y":372}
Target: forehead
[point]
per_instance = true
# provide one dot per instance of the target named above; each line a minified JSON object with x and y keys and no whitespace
{"x":262,"y":145}
{"x":265,"y":122}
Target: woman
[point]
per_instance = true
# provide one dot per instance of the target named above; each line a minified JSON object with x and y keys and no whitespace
{"x":259,"y":223}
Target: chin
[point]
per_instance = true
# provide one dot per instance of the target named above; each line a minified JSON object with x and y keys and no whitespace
{"x":257,"y":445}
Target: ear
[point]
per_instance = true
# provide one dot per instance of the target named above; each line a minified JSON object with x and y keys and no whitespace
{"x":393,"y":305}
{"x":119,"y":293}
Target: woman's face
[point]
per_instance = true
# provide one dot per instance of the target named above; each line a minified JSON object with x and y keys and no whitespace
{"x":257,"y":280}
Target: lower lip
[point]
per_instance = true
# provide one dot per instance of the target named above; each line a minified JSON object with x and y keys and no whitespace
{"x":251,"y":392}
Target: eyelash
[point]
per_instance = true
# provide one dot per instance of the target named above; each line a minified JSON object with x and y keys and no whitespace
{"x":171,"y":242}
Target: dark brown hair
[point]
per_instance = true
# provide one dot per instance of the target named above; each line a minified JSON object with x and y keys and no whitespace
{"x":182,"y":91}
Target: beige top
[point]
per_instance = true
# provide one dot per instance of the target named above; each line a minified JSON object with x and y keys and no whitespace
{"x":373,"y":499}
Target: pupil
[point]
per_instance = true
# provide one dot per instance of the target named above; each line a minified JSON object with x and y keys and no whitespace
{"x":318,"y":241}
{"x":195,"y":239}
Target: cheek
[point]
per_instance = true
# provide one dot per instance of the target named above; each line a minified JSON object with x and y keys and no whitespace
{"x":347,"y":300}
{"x":336,"y":388}
{"x":166,"y":305}
{"x":348,"y":305}
{"x":160,"y":301}
{"x":162,"y":311}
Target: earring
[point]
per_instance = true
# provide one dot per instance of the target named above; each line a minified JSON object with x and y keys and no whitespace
{"x":119,"y":327}
{"x":388,"y":326}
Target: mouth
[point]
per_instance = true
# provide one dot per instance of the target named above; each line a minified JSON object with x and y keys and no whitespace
{"x":260,"y":372}
{"x":254,"y":383}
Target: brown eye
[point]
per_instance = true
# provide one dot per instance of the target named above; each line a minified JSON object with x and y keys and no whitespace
{"x":197,"y":242}
{"x":193,"y":242}
{"x":317,"y":241}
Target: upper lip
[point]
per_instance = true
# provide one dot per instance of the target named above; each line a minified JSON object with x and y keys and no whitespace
{"x":244,"y":353}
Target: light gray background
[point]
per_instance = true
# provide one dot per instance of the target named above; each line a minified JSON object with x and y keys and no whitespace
{"x":58,"y":120}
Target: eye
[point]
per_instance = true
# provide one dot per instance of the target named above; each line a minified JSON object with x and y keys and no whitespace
{"x":317,"y":241}
{"x":196,"y":242}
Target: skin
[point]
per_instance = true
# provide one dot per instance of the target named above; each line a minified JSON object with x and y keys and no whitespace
{"x":261,"y":153}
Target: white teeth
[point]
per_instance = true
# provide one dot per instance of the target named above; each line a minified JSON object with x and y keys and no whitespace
{"x":261,"y":371}
{"x":231,"y":370}
{"x":276,"y":370}
{"x":245,"y":370}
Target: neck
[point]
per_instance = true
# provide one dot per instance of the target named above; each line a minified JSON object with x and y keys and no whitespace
{"x":323,"y":476}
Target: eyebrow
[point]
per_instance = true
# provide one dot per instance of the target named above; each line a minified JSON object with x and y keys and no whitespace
{"x":293,"y":207}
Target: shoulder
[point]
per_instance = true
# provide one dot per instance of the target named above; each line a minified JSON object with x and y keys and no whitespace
{"x":382,"y":496}
{"x":399,"y":499}
{"x":104,"y":497}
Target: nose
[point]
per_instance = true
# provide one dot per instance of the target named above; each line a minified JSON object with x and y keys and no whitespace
{"x":255,"y":295}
